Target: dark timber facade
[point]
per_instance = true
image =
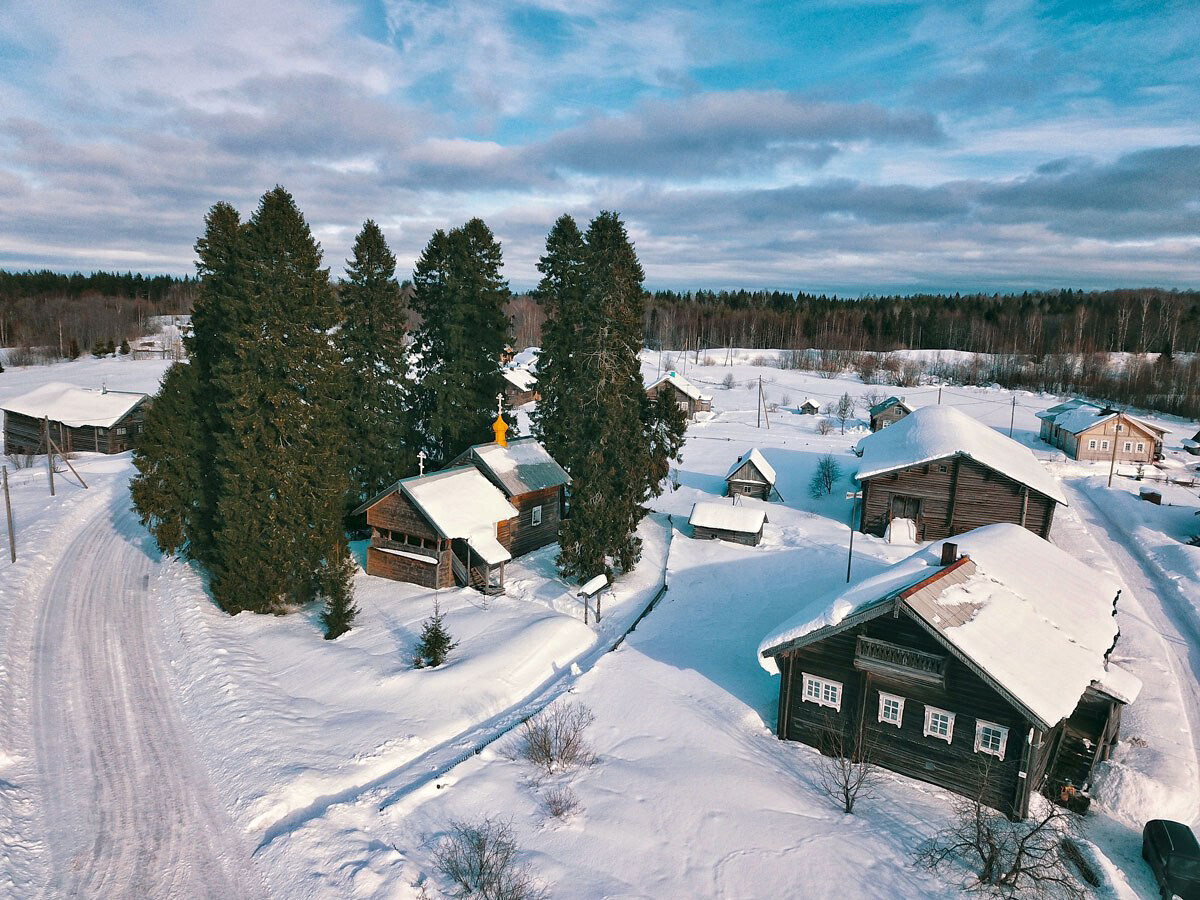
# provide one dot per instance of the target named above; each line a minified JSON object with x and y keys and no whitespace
{"x":25,"y":434}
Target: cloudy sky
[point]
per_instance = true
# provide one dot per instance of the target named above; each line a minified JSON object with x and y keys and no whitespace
{"x":837,"y":146}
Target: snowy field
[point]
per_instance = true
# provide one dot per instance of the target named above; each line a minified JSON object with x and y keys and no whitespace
{"x":314,"y":769}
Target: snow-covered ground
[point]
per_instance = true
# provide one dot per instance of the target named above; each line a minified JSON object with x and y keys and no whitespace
{"x":321,"y":769}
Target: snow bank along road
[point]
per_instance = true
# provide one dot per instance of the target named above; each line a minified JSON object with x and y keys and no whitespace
{"x":125,"y":809}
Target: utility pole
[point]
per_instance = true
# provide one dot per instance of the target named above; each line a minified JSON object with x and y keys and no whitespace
{"x":853,"y":497}
{"x":1013,"y":417}
{"x":939,"y":395}
{"x":49,"y":453}
{"x":1113,"y":463}
{"x":12,"y":534}
{"x":758,"y":407}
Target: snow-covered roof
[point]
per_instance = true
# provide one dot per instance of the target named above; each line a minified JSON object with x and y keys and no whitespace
{"x":808,"y":402}
{"x":1059,"y":408}
{"x":759,"y":463}
{"x":1030,"y":618}
{"x":594,"y":585}
{"x":527,"y":358}
{"x":521,"y":379}
{"x":523,"y":466}
{"x":889,"y":402}
{"x":726,"y":517}
{"x":1076,"y":416}
{"x":683,"y":384}
{"x":936,"y":432}
{"x":75,"y":406}
{"x":460,"y":502}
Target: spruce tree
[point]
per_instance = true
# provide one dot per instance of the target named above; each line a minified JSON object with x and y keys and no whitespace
{"x":561,"y":293}
{"x":667,"y":427}
{"x":435,"y":644}
{"x":461,"y":296}
{"x":338,"y":587}
{"x":371,"y":342}
{"x":278,"y":538}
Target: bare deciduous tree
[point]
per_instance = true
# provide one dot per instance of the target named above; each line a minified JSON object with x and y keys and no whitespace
{"x":554,"y":741}
{"x":482,"y":860}
{"x":846,"y":771}
{"x":825,"y":426}
{"x":826,"y":476}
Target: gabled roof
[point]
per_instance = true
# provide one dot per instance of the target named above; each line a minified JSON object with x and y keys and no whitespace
{"x":938,"y":432}
{"x":683,"y":384}
{"x":889,"y":402}
{"x":523,"y":466}
{"x":1076,"y":416}
{"x":755,"y":459}
{"x":727,"y":517}
{"x":1028,"y":618}
{"x":808,"y":402}
{"x":1059,"y":408}
{"x":521,"y":379}
{"x":75,"y":406}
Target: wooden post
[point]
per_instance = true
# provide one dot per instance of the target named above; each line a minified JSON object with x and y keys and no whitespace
{"x":67,"y":461}
{"x":758,"y":407}
{"x":598,"y":606}
{"x":50,"y":453}
{"x":1013,"y":416}
{"x":12,"y":534}
{"x":1113,"y":464}
{"x":585,"y":609}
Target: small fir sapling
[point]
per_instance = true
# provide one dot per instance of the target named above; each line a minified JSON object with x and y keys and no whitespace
{"x":435,"y":644}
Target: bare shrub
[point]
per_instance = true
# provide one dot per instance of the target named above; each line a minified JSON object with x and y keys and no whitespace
{"x":825,"y":426}
{"x":21,"y":460}
{"x":846,"y":771}
{"x":871,"y":398}
{"x":668,"y":363}
{"x":761,"y":362}
{"x":482,"y":860}
{"x":727,"y":382}
{"x":709,"y":361}
{"x":867,"y":366}
{"x":553,"y":740}
{"x":826,"y":476}
{"x":1009,"y":858}
{"x":561,"y":802}
{"x":785,"y":400}
{"x":910,"y":374}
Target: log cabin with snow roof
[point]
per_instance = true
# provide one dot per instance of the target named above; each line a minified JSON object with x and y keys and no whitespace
{"x":888,"y":412}
{"x":808,"y":408}
{"x":740,"y":524}
{"x":949,"y":473}
{"x":1089,"y":432}
{"x":751,"y":476}
{"x":982,"y":667}
{"x":520,"y":386}
{"x":79,"y":419}
{"x":686,"y":394}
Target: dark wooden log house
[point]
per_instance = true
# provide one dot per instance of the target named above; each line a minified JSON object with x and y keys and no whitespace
{"x":950,"y":473}
{"x":888,"y":412}
{"x":78,"y":419}
{"x":723,"y":521}
{"x":751,"y":476}
{"x":1023,"y":700}
{"x":686,"y":394}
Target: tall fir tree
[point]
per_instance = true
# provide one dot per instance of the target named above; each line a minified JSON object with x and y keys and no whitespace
{"x":461,"y":298}
{"x":278,"y":538}
{"x":611,"y":469}
{"x":371,"y":340}
{"x":561,"y":292}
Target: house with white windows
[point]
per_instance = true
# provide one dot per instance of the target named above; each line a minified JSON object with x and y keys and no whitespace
{"x":980,"y":665}
{"x":1086,"y":431}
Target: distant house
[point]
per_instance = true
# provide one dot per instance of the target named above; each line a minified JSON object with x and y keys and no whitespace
{"x":520,"y":386}
{"x":888,"y":412}
{"x":1192,"y":445}
{"x":686,"y":394}
{"x":987,"y":674}
{"x":949,"y":473}
{"x":1086,"y":431}
{"x":808,"y":408}
{"x":150,"y":348}
{"x":532,"y":481}
{"x":751,"y":476}
{"x":79,"y":419}
{"x":441,"y":530}
{"x":739,"y":524}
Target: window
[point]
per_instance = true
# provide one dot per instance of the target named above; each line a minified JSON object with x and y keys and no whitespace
{"x":990,"y":738}
{"x":942,"y":468}
{"x":939,"y":724}
{"x":1127,"y":447}
{"x":822,"y":692}
{"x":537,"y":515}
{"x":1104,"y":445}
{"x":1141,"y":448}
{"x":891,"y":709}
{"x":1091,"y":445}
{"x":121,"y":429}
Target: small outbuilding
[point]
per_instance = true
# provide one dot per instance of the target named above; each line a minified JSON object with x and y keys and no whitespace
{"x":888,"y":412}
{"x":1086,"y":431}
{"x":982,"y":667}
{"x":949,"y":473}
{"x":520,"y":386}
{"x":751,"y":476}
{"x":1192,"y":445}
{"x":808,"y":408}
{"x":739,"y":524}
{"x":79,"y":419}
{"x":686,"y":394}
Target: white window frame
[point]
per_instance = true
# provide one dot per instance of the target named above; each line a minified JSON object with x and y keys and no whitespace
{"x":1127,"y":447}
{"x":1141,"y":446}
{"x":884,"y":699}
{"x":980,"y":725}
{"x":1104,"y":445}
{"x":930,"y":712}
{"x":827,"y":692}
{"x":535,"y":515}
{"x":1092,"y":444}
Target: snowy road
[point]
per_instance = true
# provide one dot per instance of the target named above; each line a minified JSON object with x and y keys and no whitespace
{"x":125,"y":809}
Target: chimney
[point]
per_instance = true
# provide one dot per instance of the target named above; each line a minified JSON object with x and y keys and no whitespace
{"x":949,"y":553}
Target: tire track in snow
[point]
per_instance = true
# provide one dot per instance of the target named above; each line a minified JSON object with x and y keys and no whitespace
{"x":126,"y":810}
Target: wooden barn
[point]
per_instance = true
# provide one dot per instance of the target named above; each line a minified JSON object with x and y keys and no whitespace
{"x":751,"y":476}
{"x":441,"y":530}
{"x":520,"y":386}
{"x":1192,"y":445}
{"x":532,"y":482}
{"x":686,"y":394}
{"x":808,"y":408}
{"x":726,"y":522}
{"x":949,"y":473}
{"x":1088,"y":432}
{"x":987,"y":674}
{"x":888,"y":412}
{"x":79,"y":419}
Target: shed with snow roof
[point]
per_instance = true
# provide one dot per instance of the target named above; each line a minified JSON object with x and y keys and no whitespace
{"x":520,"y":386}
{"x":808,"y":408}
{"x":751,"y":476}
{"x":986,"y":673}
{"x":739,"y":524}
{"x":1192,"y":445}
{"x":1086,"y":431}
{"x":888,"y":412}
{"x":79,"y":419}
{"x":686,"y":394}
{"x":950,"y":473}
